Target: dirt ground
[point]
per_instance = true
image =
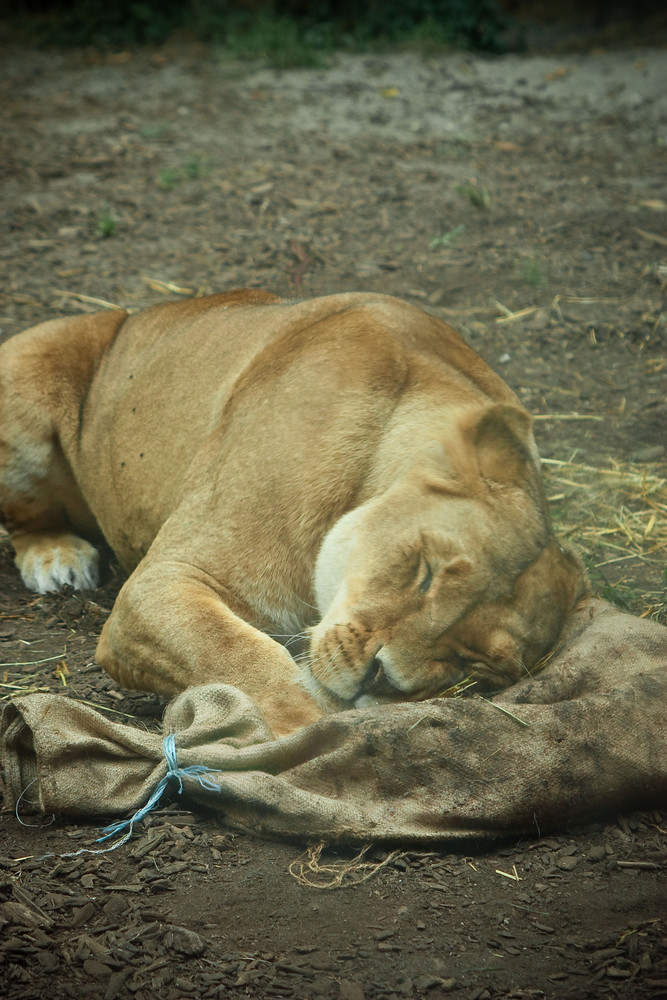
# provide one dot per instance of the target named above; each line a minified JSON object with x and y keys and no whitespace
{"x":523,"y":199}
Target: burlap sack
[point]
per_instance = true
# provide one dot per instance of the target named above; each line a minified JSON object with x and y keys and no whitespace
{"x":585,"y":736}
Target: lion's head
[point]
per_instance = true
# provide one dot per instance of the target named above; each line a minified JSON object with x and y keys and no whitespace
{"x":450,"y":573}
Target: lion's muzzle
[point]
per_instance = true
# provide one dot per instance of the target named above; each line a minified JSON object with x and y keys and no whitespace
{"x":343,"y":659}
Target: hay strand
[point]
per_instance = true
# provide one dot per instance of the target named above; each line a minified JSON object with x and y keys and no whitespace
{"x":504,"y":710}
{"x":35,"y":663}
{"x":308,"y":870}
{"x":167,"y":287}
{"x":88,"y":299}
{"x":616,"y":516}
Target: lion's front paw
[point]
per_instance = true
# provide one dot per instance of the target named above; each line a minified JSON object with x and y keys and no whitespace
{"x":48,"y":562}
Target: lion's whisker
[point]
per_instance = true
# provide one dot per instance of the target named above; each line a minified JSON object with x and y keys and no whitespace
{"x":298,"y":637}
{"x":323,"y":658}
{"x":523,"y":667}
{"x":302,"y":657}
{"x":307,"y":605}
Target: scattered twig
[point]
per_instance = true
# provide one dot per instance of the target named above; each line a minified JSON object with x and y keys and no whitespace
{"x":647,"y":865}
{"x":652,"y":237}
{"x":35,"y":663}
{"x":305,"y":259}
{"x":87,"y":298}
{"x":515,"y":317}
{"x":514,"y":875}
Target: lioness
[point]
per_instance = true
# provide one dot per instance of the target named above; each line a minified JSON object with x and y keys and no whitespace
{"x":344,"y":470}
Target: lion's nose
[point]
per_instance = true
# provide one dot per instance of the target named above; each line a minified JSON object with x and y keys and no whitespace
{"x":374,"y":674}
{"x":375,"y":679}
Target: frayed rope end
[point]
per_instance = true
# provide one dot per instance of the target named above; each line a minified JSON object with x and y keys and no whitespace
{"x":198,"y":771}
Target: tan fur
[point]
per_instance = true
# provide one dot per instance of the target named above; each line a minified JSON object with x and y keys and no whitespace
{"x":343,"y":470}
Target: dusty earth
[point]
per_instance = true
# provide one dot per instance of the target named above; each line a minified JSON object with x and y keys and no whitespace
{"x":521,"y":198}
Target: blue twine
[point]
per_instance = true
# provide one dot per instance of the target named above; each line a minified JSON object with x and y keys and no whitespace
{"x":173,"y":771}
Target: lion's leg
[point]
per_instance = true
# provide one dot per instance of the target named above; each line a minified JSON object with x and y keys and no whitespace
{"x":171,"y":628}
{"x":40,"y":503}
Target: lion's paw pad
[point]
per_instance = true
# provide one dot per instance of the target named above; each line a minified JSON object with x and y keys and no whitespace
{"x":49,"y":565}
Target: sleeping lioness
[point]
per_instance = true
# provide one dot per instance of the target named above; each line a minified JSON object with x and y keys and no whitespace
{"x":345,"y":472}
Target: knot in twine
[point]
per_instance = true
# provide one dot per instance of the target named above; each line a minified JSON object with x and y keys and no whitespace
{"x":198,"y":771}
{"x":173,"y":771}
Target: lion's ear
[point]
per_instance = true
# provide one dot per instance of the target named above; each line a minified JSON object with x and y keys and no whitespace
{"x":503,"y":443}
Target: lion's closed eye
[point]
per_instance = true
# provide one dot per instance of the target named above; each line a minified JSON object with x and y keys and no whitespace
{"x":427,"y":577}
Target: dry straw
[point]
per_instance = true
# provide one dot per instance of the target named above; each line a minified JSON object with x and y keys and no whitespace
{"x":617,"y":517}
{"x":309,"y":870}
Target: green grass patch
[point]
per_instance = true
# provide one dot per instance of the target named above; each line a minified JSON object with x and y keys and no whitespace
{"x":531,"y":273}
{"x":475,"y":193}
{"x":449,"y":239}
{"x":194,"y":168}
{"x":107,"y":225}
{"x":157,"y":131}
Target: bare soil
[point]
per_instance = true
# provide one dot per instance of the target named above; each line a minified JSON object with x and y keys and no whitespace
{"x":522,"y":199}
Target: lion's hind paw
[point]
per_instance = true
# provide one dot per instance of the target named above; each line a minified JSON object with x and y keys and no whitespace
{"x":48,"y":562}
